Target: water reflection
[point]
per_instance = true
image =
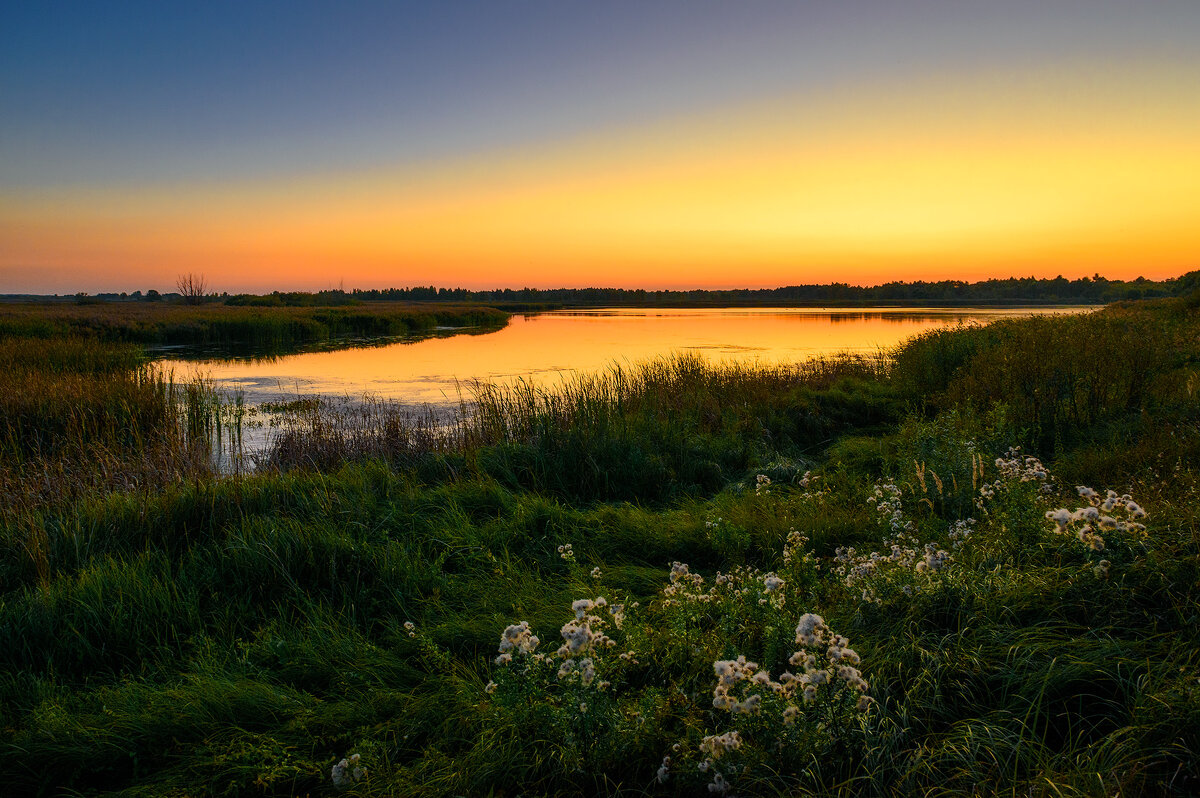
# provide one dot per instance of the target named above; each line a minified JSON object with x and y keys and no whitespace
{"x":261,"y":352}
{"x":547,"y":347}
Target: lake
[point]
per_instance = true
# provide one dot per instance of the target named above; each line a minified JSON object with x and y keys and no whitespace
{"x":547,"y":347}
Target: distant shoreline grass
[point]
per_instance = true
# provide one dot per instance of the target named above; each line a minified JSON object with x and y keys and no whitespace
{"x":376,"y":589}
{"x":211,"y":323}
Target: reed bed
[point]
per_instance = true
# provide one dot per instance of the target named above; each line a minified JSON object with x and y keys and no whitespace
{"x":166,"y":323}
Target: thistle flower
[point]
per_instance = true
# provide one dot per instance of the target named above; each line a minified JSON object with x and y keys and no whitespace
{"x":716,"y":745}
{"x":664,"y":770}
{"x":596,"y":573}
{"x":346,"y":772}
{"x":811,"y":630}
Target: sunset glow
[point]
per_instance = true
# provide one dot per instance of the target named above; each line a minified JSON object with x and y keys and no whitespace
{"x":1063,"y":165}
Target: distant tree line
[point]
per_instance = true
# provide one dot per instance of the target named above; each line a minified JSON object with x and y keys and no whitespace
{"x":1013,"y":290}
{"x":1085,"y":290}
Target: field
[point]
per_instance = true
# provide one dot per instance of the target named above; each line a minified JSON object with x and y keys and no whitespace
{"x":851,"y":576}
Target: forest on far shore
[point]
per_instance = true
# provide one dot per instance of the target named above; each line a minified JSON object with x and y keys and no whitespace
{"x":1009,"y":291}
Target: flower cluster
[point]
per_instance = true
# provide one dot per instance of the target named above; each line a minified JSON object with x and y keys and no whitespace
{"x":1100,"y":515}
{"x":900,"y":563}
{"x":664,"y":770}
{"x":583,"y":639}
{"x":762,"y":484}
{"x":795,"y":551}
{"x":839,"y":662}
{"x":585,"y":631}
{"x":886,"y":498}
{"x":1015,"y":468}
{"x":826,"y":666}
{"x":740,"y":583}
{"x":347,"y":772}
{"x":566,"y":552}
{"x":960,"y":532}
{"x":516,"y":637}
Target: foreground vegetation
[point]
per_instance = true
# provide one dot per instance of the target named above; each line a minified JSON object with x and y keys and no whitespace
{"x":692,"y":545}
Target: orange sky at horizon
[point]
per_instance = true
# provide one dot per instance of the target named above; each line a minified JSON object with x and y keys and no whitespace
{"x":967,"y":178}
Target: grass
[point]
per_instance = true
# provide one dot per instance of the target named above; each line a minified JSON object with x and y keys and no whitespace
{"x":167,"y":323}
{"x":195,"y":634}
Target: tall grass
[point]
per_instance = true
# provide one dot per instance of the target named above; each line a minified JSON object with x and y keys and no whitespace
{"x":78,"y":417}
{"x":649,"y":432}
{"x":221,"y":324}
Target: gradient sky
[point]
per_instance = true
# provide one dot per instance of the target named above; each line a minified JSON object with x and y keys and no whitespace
{"x":306,"y":145}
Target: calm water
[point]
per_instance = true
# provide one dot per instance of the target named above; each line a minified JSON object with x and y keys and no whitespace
{"x":548,"y":347}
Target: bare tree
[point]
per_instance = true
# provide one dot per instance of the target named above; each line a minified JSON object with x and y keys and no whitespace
{"x":192,"y":287}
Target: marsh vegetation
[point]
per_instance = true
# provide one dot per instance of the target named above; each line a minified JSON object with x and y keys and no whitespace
{"x":854,"y":575}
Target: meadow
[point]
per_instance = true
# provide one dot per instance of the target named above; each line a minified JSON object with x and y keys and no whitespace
{"x":970,"y":565}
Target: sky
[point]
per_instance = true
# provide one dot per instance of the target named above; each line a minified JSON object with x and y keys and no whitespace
{"x":691,"y":144}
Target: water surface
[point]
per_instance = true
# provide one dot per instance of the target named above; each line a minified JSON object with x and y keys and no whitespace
{"x":548,"y":347}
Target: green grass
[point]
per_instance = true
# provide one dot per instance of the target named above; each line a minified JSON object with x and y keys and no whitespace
{"x":163,"y":323}
{"x":240,"y":635}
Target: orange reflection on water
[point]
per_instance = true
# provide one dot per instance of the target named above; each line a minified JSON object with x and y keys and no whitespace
{"x":547,"y":348}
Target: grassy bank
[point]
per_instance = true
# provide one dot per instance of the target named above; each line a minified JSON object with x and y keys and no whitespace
{"x":240,"y":636}
{"x":163,"y":323}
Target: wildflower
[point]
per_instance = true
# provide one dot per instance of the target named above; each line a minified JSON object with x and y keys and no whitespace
{"x":347,"y":772}
{"x":1062,"y":517}
{"x":587,"y":672}
{"x":771,"y":583}
{"x":715,"y":745}
{"x":503,"y":659}
{"x":864,"y":701}
{"x":596,"y":573}
{"x":810,"y":630}
{"x":751,"y":706}
{"x":411,"y":628}
{"x":491,"y":688}
{"x":583,"y":708}
{"x":789,"y":715}
{"x":1100,"y":569}
{"x":664,"y":770}
{"x":719,"y":785}
{"x":762,"y":484}
{"x":566,"y":552}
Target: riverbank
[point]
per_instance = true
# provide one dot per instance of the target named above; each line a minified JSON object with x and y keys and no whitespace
{"x":241,"y":635}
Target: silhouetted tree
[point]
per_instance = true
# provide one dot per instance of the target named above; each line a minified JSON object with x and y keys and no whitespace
{"x":191,"y":287}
